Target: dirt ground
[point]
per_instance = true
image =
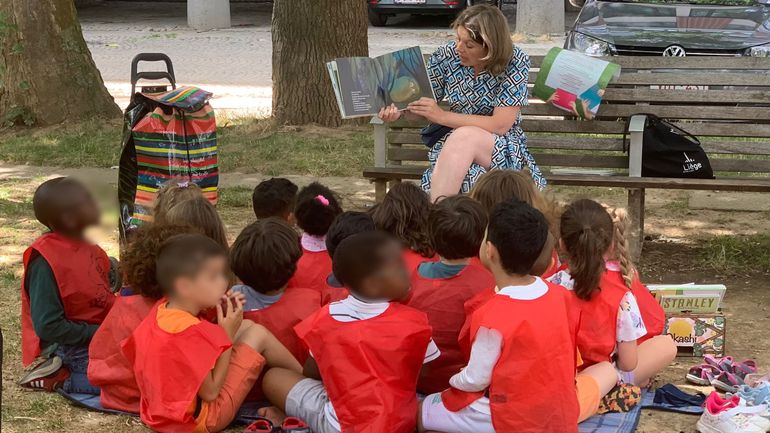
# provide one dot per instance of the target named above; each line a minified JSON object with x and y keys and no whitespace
{"x":671,"y":255}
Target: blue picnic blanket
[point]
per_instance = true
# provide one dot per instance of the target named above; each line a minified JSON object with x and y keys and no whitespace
{"x":614,"y":422}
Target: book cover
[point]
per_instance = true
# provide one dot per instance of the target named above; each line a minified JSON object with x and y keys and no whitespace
{"x":690,"y":303}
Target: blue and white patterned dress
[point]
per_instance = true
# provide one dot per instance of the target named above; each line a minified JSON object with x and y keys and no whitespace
{"x":470,"y":94}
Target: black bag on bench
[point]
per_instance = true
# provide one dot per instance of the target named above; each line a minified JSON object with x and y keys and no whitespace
{"x":670,"y":151}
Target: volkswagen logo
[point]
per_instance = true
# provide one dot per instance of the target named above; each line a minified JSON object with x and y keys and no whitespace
{"x":674,"y":51}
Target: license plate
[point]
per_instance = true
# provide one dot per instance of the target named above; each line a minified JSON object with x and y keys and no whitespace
{"x":409,"y":2}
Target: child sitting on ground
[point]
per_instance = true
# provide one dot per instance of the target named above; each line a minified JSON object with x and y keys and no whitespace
{"x":66,"y":291}
{"x":497,"y":186}
{"x":367,"y":348}
{"x":620,"y":320}
{"x":316,"y":209}
{"x":171,"y":194}
{"x":199,"y":213}
{"x":108,"y":368}
{"x":193,"y":375}
{"x":264,"y":257}
{"x":523,"y":354}
{"x":404,"y":214}
{"x":440,"y":289}
{"x":275,"y":197}
{"x":345,"y":225}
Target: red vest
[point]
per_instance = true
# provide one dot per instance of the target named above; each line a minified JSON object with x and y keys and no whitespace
{"x":598,"y":329}
{"x":370,"y":367}
{"x":108,"y":368}
{"x":169,"y":369}
{"x":82,"y":276}
{"x":470,"y":307}
{"x":413,"y":259}
{"x":537,"y":363}
{"x":443,"y":300}
{"x":312,"y":269}
{"x":333,"y":293}
{"x":280,"y":318}
{"x":555,"y":265}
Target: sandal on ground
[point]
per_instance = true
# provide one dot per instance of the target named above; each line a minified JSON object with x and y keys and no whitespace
{"x":727,"y":382}
{"x":754,"y":396}
{"x":261,"y":425}
{"x":294,"y":425}
{"x":702,"y":374}
{"x":745,"y":368}
{"x":723,"y":364}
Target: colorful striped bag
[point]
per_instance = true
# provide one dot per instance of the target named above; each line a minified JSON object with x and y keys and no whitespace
{"x":167,"y":136}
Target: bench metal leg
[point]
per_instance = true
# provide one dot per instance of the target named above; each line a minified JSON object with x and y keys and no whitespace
{"x":636,"y":229}
{"x":380,"y":189}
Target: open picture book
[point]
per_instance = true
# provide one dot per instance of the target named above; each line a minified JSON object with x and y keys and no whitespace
{"x":364,"y":85}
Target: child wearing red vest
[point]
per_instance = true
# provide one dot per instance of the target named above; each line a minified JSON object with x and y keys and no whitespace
{"x":66,"y":290}
{"x":404,"y":214}
{"x":440,"y":289}
{"x":194,"y":375}
{"x":523,"y":354}
{"x":368,"y":349}
{"x":264,"y":257}
{"x":316,"y":209}
{"x":345,"y":225}
{"x":275,"y":197}
{"x":108,"y":368}
{"x":621,"y":320}
{"x":497,"y":186}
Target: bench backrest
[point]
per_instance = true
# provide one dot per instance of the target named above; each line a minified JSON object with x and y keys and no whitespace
{"x":724,"y":101}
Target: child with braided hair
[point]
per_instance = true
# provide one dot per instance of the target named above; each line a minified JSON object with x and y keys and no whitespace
{"x":621,"y":321}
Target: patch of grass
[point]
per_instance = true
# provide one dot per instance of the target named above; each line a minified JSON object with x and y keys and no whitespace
{"x":236,"y":197}
{"x":678,"y":205}
{"x":737,"y":253}
{"x":250,"y":146}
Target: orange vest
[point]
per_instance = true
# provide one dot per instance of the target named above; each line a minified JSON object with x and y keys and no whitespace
{"x":108,"y":368}
{"x":370,"y":367}
{"x":598,"y":329}
{"x":443,"y":300}
{"x":537,"y":362}
{"x":169,"y":369}
{"x":82,"y":276}
{"x":280,"y":319}
{"x":312,"y":269}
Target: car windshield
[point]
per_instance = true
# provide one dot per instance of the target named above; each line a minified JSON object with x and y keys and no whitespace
{"x":696,"y":2}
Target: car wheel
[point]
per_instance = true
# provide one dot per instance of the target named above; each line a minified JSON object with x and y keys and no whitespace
{"x":377,"y":19}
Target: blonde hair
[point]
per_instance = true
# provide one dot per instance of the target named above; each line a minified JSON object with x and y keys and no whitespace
{"x":200,"y":214}
{"x":620,"y":244}
{"x":487,"y":26}
{"x":170,"y":194}
{"x":497,"y":186}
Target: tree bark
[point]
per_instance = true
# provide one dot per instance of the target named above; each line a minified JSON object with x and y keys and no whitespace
{"x":540,"y":17}
{"x":305,"y":37}
{"x":47,"y":75}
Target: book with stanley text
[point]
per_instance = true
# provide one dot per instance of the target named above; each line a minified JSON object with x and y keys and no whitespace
{"x":364,"y":85}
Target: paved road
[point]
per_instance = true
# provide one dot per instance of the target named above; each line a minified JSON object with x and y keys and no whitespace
{"x":233,"y":63}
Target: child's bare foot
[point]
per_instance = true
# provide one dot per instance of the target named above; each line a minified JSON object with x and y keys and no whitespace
{"x":275,"y":415}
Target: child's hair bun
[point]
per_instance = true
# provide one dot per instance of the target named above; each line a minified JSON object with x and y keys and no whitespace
{"x":316,"y":209}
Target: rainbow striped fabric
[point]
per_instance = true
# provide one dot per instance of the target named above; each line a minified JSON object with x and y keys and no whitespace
{"x":177,"y":140}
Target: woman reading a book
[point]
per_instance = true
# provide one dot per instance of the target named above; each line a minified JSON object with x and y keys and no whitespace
{"x":484,"y":79}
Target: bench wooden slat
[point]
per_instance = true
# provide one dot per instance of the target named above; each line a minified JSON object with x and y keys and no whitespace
{"x":692,"y":96}
{"x":759,"y":114}
{"x":750,"y":79}
{"x":705,"y":62}
{"x":753,"y":184}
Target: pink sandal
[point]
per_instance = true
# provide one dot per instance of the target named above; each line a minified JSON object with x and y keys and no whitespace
{"x":727,"y":382}
{"x":702,"y":374}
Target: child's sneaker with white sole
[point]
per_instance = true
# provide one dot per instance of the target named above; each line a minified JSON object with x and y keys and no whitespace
{"x":727,"y":416}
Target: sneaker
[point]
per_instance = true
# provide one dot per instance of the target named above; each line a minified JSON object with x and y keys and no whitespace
{"x":726,"y":416}
{"x":47,"y":375}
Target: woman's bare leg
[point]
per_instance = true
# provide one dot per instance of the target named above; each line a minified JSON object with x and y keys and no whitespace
{"x":464,"y":146}
{"x":654,"y":355}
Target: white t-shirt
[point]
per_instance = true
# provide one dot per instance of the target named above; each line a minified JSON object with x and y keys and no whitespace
{"x":487,"y":347}
{"x":351,"y":309}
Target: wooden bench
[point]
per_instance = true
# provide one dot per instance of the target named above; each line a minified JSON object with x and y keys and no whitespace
{"x":729,"y":111}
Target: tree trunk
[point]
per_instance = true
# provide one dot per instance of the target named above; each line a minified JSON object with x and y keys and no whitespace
{"x":304,"y":39}
{"x":540,"y":17}
{"x":47,"y":75}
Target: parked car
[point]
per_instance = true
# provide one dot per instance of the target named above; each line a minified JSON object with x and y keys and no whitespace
{"x":672,"y":28}
{"x":380,"y":10}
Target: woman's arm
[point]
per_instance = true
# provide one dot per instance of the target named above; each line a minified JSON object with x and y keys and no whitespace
{"x":500,"y":122}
